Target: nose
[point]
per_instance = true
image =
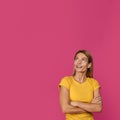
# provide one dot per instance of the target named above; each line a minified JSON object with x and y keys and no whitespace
{"x":79,"y":61}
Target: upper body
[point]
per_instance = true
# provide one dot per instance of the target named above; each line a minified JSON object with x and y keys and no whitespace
{"x":80,"y":93}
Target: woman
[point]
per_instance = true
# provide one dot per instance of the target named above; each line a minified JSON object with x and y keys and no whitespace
{"x":80,"y":93}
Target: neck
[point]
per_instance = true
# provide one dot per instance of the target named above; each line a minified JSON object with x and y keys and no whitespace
{"x":81,"y":77}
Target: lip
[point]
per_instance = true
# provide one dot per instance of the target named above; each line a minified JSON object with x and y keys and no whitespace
{"x":78,"y":66}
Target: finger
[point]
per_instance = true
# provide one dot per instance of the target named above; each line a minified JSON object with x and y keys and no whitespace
{"x":98,"y":98}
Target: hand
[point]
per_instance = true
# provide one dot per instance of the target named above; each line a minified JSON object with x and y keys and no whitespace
{"x":97,"y":99}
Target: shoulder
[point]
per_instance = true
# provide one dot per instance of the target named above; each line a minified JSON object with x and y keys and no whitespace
{"x":66,"y":78}
{"x":92,"y":80}
{"x":66,"y":81}
{"x":94,"y":83}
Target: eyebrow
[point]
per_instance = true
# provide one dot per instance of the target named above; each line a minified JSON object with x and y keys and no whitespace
{"x":82,"y":57}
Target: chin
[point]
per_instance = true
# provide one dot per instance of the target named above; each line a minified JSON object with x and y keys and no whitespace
{"x":80,"y":71}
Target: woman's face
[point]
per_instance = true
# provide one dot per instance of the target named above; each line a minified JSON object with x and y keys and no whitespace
{"x":81,"y":63}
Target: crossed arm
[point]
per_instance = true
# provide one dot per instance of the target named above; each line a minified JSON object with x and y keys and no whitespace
{"x":77,"y":106}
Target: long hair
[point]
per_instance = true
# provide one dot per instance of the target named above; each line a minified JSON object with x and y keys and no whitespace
{"x":89,"y":72}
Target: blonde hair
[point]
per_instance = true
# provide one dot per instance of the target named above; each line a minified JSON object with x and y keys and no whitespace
{"x":89,"y":72}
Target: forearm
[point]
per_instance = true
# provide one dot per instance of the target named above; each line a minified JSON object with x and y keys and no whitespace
{"x":72,"y":110}
{"x":90,"y":107}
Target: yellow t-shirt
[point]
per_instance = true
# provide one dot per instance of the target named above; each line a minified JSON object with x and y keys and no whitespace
{"x":80,"y":92}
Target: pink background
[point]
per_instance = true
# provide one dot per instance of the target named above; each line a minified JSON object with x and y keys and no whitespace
{"x":38,"y":40}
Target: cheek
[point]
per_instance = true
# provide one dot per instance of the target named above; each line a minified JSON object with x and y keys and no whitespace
{"x":85,"y":65}
{"x":75,"y":62}
{"x":74,"y":65}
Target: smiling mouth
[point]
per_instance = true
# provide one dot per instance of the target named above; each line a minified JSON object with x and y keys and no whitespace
{"x":78,"y":66}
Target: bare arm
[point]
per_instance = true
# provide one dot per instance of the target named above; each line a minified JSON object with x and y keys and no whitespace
{"x":65,"y":102}
{"x":94,"y":106}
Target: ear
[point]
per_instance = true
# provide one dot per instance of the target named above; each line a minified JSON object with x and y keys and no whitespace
{"x":89,"y":65}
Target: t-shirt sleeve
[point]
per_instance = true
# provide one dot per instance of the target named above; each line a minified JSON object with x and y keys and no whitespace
{"x":96,"y":84}
{"x":65,"y":82}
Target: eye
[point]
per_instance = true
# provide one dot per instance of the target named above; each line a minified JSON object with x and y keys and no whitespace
{"x":84,"y":60}
{"x":76,"y":58}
